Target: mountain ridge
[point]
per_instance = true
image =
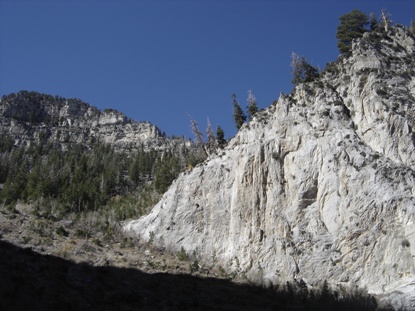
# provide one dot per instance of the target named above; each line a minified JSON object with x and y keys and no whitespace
{"x":34,"y":117}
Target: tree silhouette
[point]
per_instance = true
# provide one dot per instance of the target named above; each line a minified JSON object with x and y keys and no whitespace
{"x":352,"y":25}
{"x":302,"y":71}
{"x":239,"y":116}
{"x":252,"y":107}
{"x":220,"y":137}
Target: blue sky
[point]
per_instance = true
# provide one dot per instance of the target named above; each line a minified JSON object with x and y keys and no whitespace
{"x":163,"y":60}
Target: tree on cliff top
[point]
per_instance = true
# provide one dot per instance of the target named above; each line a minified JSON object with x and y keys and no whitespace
{"x":252,"y":107}
{"x":302,"y":71}
{"x":238,"y":114}
{"x":220,"y":137}
{"x":352,"y":26}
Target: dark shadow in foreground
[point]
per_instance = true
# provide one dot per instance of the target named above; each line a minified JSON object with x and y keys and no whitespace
{"x":31,"y":281}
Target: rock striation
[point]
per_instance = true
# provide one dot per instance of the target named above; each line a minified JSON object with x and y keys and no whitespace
{"x":318,"y":186}
{"x":30,"y":117}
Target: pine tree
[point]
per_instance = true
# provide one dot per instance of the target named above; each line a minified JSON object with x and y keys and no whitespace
{"x":302,"y":71}
{"x":15,"y":186}
{"x":373,"y":22}
{"x":35,"y":181}
{"x":220,"y":137}
{"x":252,"y":107}
{"x":167,"y":169}
{"x":352,"y":26}
{"x":133,"y":171}
{"x":239,"y":116}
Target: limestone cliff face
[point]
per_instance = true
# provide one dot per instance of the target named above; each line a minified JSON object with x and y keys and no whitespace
{"x":319,"y":186}
{"x":33,"y":117}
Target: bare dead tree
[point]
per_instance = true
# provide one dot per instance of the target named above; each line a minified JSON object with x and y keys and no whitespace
{"x":385,"y":19}
{"x":211,"y":143}
{"x":199,"y":139}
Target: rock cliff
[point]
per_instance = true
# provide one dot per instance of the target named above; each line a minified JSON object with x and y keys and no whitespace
{"x":318,"y":186}
{"x":33,"y":117}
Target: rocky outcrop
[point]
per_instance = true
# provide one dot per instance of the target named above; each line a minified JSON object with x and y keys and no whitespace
{"x":30,"y":117}
{"x":318,"y":186}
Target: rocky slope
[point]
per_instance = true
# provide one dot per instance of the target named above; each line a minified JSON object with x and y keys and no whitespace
{"x":33,"y":117}
{"x":49,"y":264}
{"x":318,"y":186}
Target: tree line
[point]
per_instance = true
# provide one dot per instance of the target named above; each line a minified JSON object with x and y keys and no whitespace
{"x":82,"y":178}
{"x":218,"y":141}
{"x":352,"y":26}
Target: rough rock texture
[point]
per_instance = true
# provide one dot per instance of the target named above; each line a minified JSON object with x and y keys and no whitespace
{"x":33,"y":117}
{"x":318,"y":186}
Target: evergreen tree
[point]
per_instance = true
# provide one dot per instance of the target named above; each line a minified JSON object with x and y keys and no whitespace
{"x":252,"y":107}
{"x":373,"y":22}
{"x":167,"y":170}
{"x":220,"y":137}
{"x":6,"y":143}
{"x":35,"y":181}
{"x":4,"y":168}
{"x":302,"y":71}
{"x":15,"y":186}
{"x":352,"y":25}
{"x":239,"y":116}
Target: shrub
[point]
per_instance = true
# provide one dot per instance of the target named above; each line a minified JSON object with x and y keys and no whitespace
{"x":182,"y":255}
{"x":61,"y":231}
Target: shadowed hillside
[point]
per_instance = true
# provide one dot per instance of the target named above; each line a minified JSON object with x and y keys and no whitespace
{"x":30,"y":281}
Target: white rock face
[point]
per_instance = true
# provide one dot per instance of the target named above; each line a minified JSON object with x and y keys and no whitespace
{"x":319,"y":186}
{"x":30,"y":116}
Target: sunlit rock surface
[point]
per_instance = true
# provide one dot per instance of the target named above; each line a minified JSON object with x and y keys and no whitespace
{"x":318,"y":186}
{"x":30,"y":118}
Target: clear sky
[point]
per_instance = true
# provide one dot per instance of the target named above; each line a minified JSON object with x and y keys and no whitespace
{"x":163,"y":60}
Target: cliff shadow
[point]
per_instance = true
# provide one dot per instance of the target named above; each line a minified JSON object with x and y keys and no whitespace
{"x":31,"y":281}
